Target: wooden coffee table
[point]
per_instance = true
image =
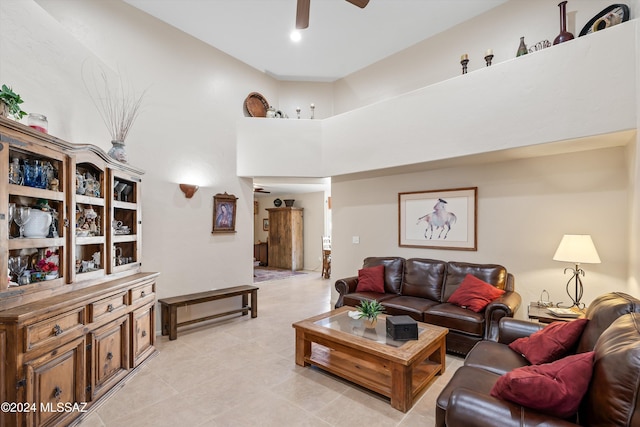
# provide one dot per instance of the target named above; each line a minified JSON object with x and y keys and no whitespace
{"x":399,"y":370}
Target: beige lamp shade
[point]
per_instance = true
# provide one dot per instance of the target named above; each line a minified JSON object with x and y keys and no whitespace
{"x":577,"y":249}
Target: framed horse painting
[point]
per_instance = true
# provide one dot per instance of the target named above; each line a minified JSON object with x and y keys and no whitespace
{"x":438,"y":219}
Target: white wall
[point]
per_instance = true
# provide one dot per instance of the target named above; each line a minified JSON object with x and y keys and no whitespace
{"x":438,"y":58}
{"x":185,"y":133}
{"x":524,"y":208}
{"x":527,"y":249}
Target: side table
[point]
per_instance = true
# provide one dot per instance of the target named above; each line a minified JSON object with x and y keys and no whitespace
{"x":542,"y":315}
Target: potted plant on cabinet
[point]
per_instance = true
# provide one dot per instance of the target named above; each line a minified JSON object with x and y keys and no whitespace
{"x":369,"y":310}
{"x":9,"y":103}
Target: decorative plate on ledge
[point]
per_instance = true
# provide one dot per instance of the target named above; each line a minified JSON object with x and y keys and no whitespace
{"x":256,"y":105}
{"x":610,"y":16}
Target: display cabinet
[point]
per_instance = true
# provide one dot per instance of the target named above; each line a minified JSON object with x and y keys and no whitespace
{"x":77,"y":314}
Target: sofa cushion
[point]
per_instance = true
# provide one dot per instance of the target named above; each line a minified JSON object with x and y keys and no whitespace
{"x":553,"y":388}
{"x":474,"y":294}
{"x":456,"y":318}
{"x":550,"y":343}
{"x":371,"y":279}
{"x":613,"y":398}
{"x":493,"y":274}
{"x":494,"y":357}
{"x":407,"y":305}
{"x":601,"y":313}
{"x":424,"y":278}
{"x":393,"y":271}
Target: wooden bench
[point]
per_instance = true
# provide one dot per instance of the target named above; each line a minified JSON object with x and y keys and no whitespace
{"x":169,"y":306}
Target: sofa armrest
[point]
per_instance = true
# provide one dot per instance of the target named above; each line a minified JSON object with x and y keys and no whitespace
{"x":505,"y":306}
{"x":510,"y":329}
{"x":467,"y":408}
{"x":345,"y":286}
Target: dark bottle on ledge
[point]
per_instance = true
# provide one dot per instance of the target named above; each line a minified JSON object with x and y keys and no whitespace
{"x":564,"y":35}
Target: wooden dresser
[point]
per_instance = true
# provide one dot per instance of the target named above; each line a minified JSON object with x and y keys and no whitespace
{"x":67,"y":338}
{"x":286,"y":238}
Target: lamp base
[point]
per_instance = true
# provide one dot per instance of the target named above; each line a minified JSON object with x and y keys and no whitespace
{"x":578,"y":290}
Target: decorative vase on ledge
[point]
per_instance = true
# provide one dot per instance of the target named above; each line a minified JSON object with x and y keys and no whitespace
{"x":118,"y":152}
{"x":564,"y":35}
{"x":522,"y":49}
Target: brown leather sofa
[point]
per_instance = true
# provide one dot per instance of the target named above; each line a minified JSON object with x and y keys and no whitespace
{"x":420,"y":287}
{"x":612,"y":399}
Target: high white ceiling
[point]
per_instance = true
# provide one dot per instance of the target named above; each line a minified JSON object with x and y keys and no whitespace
{"x":341,"y":38}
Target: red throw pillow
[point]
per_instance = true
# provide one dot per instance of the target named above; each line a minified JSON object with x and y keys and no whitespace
{"x":553,"y":388}
{"x":371,"y":279}
{"x":474,"y":294}
{"x":550,"y":343}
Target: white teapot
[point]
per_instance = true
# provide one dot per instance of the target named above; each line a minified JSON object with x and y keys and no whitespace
{"x":38,"y":224}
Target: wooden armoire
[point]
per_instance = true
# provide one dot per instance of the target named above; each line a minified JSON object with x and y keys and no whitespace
{"x":285,"y":238}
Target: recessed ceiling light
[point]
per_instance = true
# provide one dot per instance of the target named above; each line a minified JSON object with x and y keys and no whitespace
{"x":295,"y":36}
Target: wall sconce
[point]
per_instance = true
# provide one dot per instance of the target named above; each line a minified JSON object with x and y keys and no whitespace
{"x":189,"y":190}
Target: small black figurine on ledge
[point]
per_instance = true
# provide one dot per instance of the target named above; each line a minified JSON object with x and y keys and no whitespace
{"x":464,"y":60}
{"x":488,"y":56}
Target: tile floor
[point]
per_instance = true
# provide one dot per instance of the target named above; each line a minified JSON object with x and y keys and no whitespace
{"x":241,"y":372}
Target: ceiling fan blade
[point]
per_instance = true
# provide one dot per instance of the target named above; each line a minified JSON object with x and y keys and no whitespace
{"x":360,"y":3}
{"x":302,"y":14}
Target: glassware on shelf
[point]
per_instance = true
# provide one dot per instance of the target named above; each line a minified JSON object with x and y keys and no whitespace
{"x":126,"y":191}
{"x":12,"y":214}
{"x":17,"y":267}
{"x":118,"y":188}
{"x":15,"y":172}
{"x":22,"y":216}
{"x":34,"y":174}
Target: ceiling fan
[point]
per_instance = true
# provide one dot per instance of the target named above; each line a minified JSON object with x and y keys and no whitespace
{"x":302,"y":14}
{"x":260,"y":190}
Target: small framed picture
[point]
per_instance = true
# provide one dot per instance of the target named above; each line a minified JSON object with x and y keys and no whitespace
{"x":224,"y":213}
{"x":438,"y":219}
{"x":265,"y":224}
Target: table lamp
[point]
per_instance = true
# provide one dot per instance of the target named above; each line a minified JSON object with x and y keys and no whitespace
{"x":577,"y":249}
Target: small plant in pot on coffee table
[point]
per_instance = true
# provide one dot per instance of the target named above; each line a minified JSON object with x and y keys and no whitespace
{"x":369,"y":310}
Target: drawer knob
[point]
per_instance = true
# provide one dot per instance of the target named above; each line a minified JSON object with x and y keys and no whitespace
{"x":57,"y":330}
{"x":144,"y":333}
{"x":142,"y":294}
{"x":110,"y":308}
{"x":57,"y":392}
{"x":109,"y":356}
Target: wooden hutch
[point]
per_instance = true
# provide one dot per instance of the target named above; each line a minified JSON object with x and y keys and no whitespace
{"x":67,"y":337}
{"x":286,"y":238}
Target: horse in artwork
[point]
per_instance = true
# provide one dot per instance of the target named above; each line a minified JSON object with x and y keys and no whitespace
{"x":438,"y":220}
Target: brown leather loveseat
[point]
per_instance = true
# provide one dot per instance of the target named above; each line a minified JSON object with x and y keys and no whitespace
{"x":420,"y":288}
{"x":612,"y":332}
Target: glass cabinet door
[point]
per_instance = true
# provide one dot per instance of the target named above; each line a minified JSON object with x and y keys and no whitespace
{"x":126,"y":223}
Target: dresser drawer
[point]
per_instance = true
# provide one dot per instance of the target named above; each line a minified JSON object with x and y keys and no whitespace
{"x":144,"y":292}
{"x":54,"y":329}
{"x":108,"y":307}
